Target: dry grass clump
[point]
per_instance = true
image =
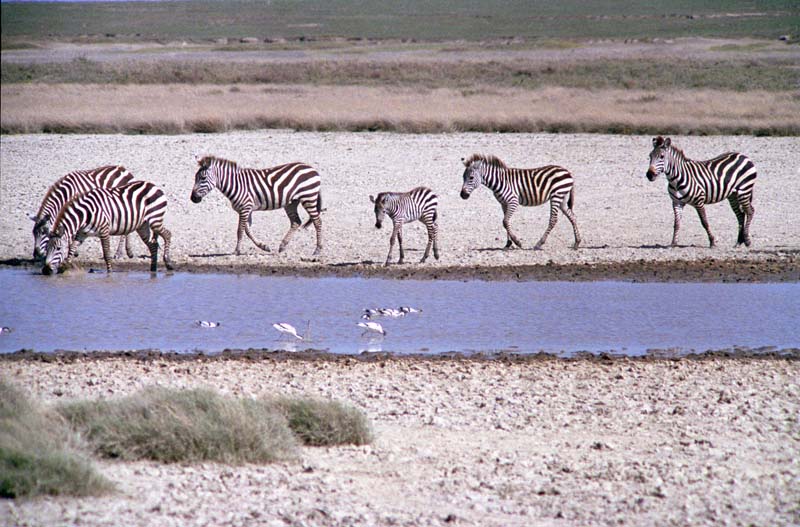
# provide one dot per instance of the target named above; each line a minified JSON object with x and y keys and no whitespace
{"x":39,"y":454}
{"x":169,"y":109}
{"x":183,"y":426}
{"x":324,"y":423}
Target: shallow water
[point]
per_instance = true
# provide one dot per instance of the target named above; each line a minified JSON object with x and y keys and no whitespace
{"x":131,"y":311}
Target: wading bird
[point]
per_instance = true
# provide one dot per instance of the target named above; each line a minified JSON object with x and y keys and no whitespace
{"x":372,"y":327}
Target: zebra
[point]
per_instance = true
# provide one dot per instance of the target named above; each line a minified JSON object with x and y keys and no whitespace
{"x":699,"y":183}
{"x":249,"y":189}
{"x":63,"y":190}
{"x":404,"y":207}
{"x":523,"y":186}
{"x":138,"y":206}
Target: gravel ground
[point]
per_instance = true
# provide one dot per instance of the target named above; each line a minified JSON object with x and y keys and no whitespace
{"x":624,"y":219}
{"x":538,"y":442}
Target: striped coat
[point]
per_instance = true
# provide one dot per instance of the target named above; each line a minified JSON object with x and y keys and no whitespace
{"x":286,"y":186}
{"x":527,"y":187}
{"x":728,"y":176}
{"x":404,"y":207}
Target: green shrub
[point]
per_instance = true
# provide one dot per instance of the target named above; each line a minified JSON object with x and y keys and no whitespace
{"x":38,"y":452}
{"x":324,"y":423}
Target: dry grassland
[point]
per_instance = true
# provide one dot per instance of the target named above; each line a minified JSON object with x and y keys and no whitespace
{"x":64,"y":108}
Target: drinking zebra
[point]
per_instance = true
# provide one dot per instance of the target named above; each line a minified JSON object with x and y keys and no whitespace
{"x":404,"y":207}
{"x":523,"y":186}
{"x":699,"y":183}
{"x":65,"y":189}
{"x":138,"y":206}
{"x":249,"y":189}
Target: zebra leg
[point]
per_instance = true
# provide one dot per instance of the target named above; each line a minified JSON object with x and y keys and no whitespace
{"x":167,"y":236}
{"x":701,"y":211}
{"x":400,"y":242}
{"x":508,"y":211}
{"x":431,"y":228}
{"x":749,"y":211}
{"x":244,"y":227}
{"x":120,"y":248}
{"x":149,"y":238}
{"x":554,"y":205}
{"x":314,"y":217}
{"x":105,"y":242}
{"x":294,"y":220}
{"x":571,"y":217}
{"x":737,"y":210}
{"x":391,"y":243}
{"x":677,"y":210}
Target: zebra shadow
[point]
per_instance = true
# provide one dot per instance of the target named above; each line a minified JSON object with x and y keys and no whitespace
{"x":353,"y":264}
{"x":212,"y":255}
{"x":656,"y":246}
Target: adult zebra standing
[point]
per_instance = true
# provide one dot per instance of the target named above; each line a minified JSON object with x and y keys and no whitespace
{"x":249,"y":189}
{"x":404,"y":207}
{"x":138,"y":206}
{"x":699,"y":183}
{"x":523,"y":186}
{"x":64,"y":189}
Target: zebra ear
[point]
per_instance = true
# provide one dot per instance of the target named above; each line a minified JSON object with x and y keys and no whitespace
{"x":657,"y":141}
{"x":667,"y":141}
{"x":372,"y":198}
{"x":32,"y":217}
{"x":463,"y":160}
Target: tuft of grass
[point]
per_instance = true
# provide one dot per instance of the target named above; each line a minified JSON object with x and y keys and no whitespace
{"x":172,"y":426}
{"x":39,"y":454}
{"x":324,"y":423}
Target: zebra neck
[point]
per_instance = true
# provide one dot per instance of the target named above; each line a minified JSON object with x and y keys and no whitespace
{"x":493,"y":178}
{"x":679,"y":169}
{"x":226,"y":182}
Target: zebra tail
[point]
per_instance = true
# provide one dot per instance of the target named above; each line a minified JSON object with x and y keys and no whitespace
{"x":571,"y":199}
{"x":309,"y":221}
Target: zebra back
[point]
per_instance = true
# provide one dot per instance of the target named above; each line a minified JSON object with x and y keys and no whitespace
{"x":122,"y":209}
{"x":417,"y":203}
{"x":531,"y":186}
{"x":80,"y":181}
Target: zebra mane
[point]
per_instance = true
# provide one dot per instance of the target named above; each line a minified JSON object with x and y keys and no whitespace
{"x":208,"y":160}
{"x":486,"y":158}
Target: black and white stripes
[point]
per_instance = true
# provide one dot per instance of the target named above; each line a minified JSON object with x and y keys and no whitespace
{"x":404,"y":207}
{"x":138,"y":206}
{"x":285,"y":186}
{"x":699,"y":183}
{"x":64,"y":189}
{"x":522,"y":186}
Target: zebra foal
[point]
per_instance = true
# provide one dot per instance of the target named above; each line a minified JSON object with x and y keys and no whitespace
{"x":249,"y":189}
{"x":64,"y":189}
{"x":699,"y":183}
{"x":522,"y":186}
{"x":138,"y":206}
{"x":404,"y":207}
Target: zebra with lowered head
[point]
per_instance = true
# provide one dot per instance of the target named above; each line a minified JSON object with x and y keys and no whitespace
{"x":138,"y":206}
{"x":65,"y":189}
{"x":404,"y":207}
{"x":523,"y":186}
{"x":249,"y":189}
{"x":699,"y":183}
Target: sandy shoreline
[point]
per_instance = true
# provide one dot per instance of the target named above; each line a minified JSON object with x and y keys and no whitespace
{"x":623,"y":218}
{"x":541,"y":442}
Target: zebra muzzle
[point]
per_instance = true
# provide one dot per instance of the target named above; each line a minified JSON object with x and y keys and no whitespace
{"x":196,"y":199}
{"x":378,"y":225}
{"x":464,"y":194}
{"x":651,"y":174}
{"x":47,"y":270}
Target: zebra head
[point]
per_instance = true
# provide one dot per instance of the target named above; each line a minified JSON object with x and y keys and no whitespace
{"x":41,"y":233}
{"x":380,"y":207}
{"x":205,"y":179}
{"x":473,"y":176}
{"x":660,"y":158}
{"x":56,"y":253}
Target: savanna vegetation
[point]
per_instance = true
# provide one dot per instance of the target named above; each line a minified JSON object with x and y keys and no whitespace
{"x":47,"y":450}
{"x":491,"y":66}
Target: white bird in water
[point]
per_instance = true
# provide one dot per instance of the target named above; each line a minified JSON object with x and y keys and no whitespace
{"x":390,"y":312}
{"x":372,"y":326}
{"x":287,"y":329}
{"x":5,"y":329}
{"x":207,"y":324}
{"x":407,"y":310}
